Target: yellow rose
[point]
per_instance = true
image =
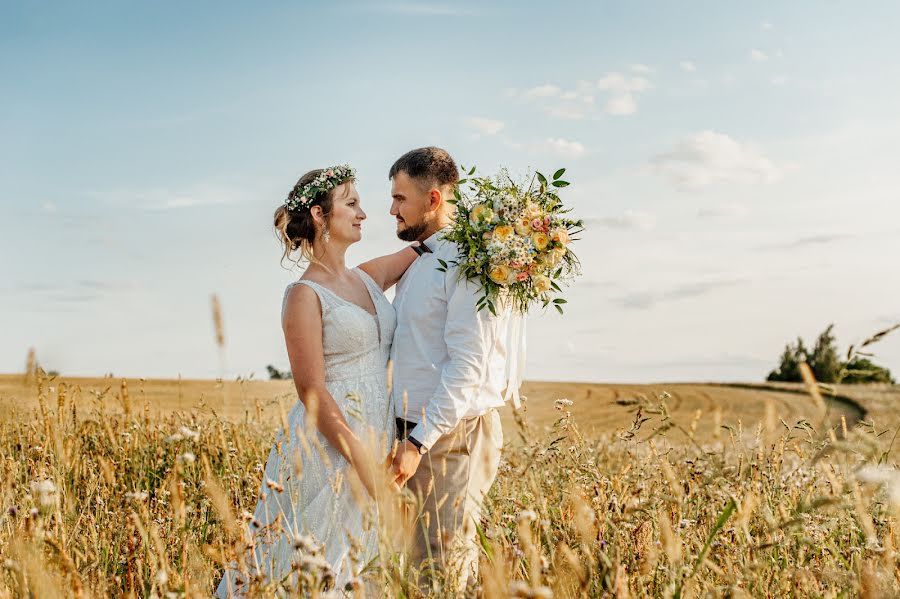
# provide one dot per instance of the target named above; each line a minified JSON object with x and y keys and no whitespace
{"x":481,"y":213}
{"x":523,"y":226}
{"x":503,"y":233}
{"x":561,"y":235}
{"x":499,"y":274}
{"x":552,"y":259}
{"x":541,"y":283}
{"x":541,"y":241}
{"x":533,"y":211}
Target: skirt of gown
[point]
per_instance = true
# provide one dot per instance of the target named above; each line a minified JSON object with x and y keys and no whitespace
{"x":308,"y":517}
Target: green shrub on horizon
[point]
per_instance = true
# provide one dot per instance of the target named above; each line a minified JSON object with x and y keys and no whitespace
{"x":826,"y":364}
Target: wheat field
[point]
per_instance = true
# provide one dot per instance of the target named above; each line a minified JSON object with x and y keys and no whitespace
{"x":135,"y":488}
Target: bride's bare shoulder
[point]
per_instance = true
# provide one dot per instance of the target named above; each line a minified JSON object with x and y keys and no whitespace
{"x":301,"y":302}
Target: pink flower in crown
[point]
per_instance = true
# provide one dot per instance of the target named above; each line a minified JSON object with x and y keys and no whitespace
{"x":329,"y":173}
{"x":537,"y":224}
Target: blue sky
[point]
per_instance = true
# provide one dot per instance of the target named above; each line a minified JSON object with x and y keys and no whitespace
{"x":735,"y":164}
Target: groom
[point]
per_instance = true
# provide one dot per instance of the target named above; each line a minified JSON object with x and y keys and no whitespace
{"x":449,"y":372}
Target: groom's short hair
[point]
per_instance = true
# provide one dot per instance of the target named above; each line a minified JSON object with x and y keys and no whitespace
{"x":429,"y":166}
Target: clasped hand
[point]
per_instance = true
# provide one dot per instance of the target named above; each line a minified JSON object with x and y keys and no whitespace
{"x":402,"y":462}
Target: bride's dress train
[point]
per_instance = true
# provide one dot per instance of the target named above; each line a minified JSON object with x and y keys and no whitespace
{"x":305,"y":498}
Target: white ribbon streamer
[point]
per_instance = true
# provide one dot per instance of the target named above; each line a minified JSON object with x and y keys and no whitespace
{"x":515,"y":357}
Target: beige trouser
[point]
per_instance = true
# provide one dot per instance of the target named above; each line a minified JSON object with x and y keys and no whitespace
{"x":450,"y":483}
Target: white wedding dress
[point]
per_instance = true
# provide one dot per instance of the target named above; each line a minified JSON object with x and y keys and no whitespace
{"x":316,"y":503}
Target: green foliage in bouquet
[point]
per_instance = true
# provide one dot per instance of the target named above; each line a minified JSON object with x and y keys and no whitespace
{"x":514,"y":239}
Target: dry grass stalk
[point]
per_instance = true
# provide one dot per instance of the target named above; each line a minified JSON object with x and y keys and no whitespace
{"x":112,"y":507}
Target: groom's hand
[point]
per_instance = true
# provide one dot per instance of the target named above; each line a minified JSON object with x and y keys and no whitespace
{"x":405,"y":462}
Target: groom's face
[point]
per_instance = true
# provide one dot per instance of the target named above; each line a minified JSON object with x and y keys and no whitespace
{"x":410,"y":206}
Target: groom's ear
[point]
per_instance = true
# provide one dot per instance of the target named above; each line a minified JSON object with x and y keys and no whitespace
{"x":435,"y":199}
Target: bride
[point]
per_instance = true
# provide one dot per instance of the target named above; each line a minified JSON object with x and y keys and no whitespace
{"x":338,"y":326}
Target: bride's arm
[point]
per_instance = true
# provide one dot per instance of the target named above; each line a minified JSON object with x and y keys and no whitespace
{"x":387,"y":270}
{"x":302,"y":326}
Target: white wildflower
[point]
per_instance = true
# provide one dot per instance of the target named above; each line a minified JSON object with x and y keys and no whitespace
{"x":542,"y":592}
{"x":885,"y":476}
{"x":527,"y":516}
{"x":183,"y":433}
{"x":186,"y":458}
{"x":136,"y":495}
{"x":315,"y":564}
{"x":562,"y":403}
{"x":189,"y":434}
{"x":45,"y":491}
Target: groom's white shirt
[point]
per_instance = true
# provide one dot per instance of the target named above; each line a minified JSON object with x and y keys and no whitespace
{"x":449,"y":358}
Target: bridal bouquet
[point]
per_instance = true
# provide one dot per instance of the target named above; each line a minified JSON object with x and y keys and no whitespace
{"x":514,"y":238}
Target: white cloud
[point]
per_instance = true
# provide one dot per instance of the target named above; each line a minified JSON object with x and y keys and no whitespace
{"x":687,"y":65}
{"x":642,"y":300}
{"x":481,"y":126}
{"x":723,"y":211}
{"x":619,"y":90}
{"x":616,"y":82}
{"x":567,"y":112}
{"x":779,"y":80}
{"x":630,"y":220}
{"x":562,"y":147}
{"x":48,"y":207}
{"x":558,"y":103}
{"x":548,"y":90}
{"x":758,"y":55}
{"x":642,"y":68}
{"x":621,"y":105}
{"x":622,"y":92}
{"x":188,"y":202}
{"x":709,"y":157}
{"x":767,"y":26}
{"x":165,"y":199}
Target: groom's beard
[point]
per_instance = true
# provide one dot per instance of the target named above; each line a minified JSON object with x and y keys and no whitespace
{"x":413,"y":232}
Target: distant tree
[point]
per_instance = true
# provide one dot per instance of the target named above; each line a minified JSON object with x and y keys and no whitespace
{"x":824,"y":360}
{"x":788,"y":369}
{"x":826,"y":363}
{"x":278,"y":375}
{"x":863,"y":370}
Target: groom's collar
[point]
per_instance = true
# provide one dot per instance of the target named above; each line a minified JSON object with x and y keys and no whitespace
{"x":433,"y":241}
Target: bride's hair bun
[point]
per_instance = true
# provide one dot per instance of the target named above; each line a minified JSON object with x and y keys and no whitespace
{"x":296,"y":229}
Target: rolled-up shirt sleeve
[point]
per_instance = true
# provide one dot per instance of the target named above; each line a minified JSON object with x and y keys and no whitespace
{"x":470,"y":335}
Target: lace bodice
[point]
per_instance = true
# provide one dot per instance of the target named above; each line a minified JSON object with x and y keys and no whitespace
{"x":355,"y":342}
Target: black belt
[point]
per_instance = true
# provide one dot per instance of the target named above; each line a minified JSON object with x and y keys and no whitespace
{"x":404,"y":427}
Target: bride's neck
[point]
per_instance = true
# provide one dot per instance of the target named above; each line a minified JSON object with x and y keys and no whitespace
{"x":331,"y":257}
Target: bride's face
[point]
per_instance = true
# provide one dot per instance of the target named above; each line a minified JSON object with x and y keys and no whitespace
{"x":345,"y":222}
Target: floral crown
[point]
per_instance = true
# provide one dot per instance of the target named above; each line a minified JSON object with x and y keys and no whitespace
{"x":328,"y":179}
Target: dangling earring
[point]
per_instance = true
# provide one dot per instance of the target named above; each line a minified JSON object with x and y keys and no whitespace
{"x":326,"y":236}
